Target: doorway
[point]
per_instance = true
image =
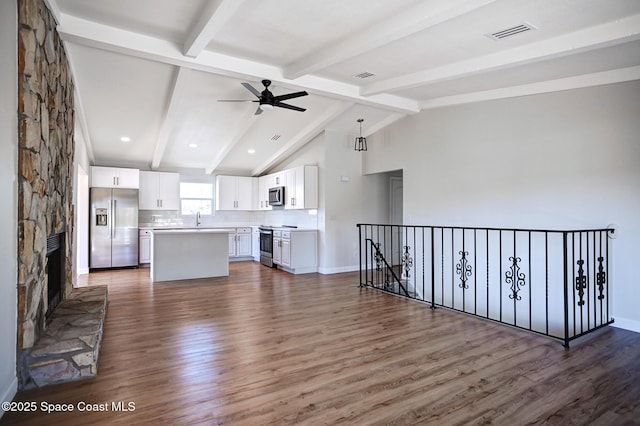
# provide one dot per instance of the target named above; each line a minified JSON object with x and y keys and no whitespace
{"x":395,"y":200}
{"x":396,"y":217}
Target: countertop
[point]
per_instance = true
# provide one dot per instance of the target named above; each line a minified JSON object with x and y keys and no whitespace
{"x":193,"y":231}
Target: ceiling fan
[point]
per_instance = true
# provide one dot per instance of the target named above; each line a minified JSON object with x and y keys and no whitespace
{"x":267,"y":100}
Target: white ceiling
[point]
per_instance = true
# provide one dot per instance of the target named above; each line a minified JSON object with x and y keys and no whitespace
{"x":154,"y":70}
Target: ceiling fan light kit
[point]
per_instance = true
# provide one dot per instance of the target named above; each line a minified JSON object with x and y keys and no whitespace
{"x":267,"y":100}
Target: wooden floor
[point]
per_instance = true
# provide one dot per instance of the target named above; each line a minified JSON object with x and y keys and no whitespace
{"x":266,"y":347}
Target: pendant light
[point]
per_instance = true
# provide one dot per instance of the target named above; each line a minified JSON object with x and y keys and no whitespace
{"x":361,"y":142}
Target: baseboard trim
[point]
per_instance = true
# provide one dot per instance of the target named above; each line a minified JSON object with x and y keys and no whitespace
{"x":627,"y":324}
{"x":83,"y":271}
{"x":9,"y":393}
{"x":338,"y":270}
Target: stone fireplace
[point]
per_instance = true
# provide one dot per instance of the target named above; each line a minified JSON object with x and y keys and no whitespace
{"x":45,"y":170}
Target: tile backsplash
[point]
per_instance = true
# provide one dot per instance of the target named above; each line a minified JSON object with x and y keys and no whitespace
{"x":163,"y":218}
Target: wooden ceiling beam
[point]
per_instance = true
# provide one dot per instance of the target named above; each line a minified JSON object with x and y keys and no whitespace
{"x":612,"y":33}
{"x":420,"y":17}
{"x":209,"y":24}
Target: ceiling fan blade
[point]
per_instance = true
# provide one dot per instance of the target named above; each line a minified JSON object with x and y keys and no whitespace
{"x":289,"y":96}
{"x":251,"y":89}
{"x":258,"y":111}
{"x":287,"y":106}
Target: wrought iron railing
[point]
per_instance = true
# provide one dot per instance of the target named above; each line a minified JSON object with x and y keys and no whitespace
{"x":549,"y":282}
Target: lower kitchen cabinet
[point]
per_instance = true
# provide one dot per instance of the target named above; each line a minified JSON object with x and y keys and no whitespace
{"x":296,"y":251}
{"x":240,"y":243}
{"x":255,"y":243}
{"x":144,"y":247}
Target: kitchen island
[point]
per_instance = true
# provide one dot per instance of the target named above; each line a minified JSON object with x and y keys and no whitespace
{"x":182,"y":254}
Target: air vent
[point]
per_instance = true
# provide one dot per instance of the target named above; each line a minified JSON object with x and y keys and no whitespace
{"x":518,"y":29}
{"x":364,"y":75}
{"x":275,"y":137}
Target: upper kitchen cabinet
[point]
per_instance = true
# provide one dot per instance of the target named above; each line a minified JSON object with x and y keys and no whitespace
{"x":159,"y":191}
{"x":114,"y":177}
{"x":236,"y":193}
{"x":301,"y":188}
{"x":264,"y":183}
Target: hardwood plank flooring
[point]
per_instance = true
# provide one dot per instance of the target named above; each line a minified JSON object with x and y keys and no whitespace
{"x":265,"y":347}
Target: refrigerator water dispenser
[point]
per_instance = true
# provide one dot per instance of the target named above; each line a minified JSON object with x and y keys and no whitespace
{"x":101,"y":217}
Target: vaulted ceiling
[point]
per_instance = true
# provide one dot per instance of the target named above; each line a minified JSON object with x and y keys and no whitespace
{"x":154,"y":70}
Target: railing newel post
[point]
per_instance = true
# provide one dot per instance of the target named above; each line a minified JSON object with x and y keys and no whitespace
{"x":433,"y":272}
{"x":360,"y":252}
{"x":566,"y":289}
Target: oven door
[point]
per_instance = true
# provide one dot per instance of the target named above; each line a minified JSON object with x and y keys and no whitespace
{"x":266,"y":247}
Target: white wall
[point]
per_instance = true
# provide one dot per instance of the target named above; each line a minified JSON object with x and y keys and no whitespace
{"x":564,"y":160}
{"x":8,"y":193}
{"x":361,"y":199}
{"x":81,"y":169}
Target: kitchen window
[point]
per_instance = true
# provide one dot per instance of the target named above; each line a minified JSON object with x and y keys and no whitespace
{"x":196,"y":197}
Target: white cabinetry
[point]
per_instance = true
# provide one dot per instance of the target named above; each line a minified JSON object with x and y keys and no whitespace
{"x":301,"y":191}
{"x":114,"y":177}
{"x":277,"y":247}
{"x":255,"y":243}
{"x":144,"y":247}
{"x":296,"y":251}
{"x":240,"y":243}
{"x":159,"y":191}
{"x":235,"y":192}
{"x":300,"y":188}
{"x":264,"y":183}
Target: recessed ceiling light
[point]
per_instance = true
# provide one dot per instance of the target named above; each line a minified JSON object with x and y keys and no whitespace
{"x":251,"y":151}
{"x":125,"y":139}
{"x":193,"y":145}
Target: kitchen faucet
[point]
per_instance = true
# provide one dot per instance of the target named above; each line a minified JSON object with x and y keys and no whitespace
{"x":198,"y":218}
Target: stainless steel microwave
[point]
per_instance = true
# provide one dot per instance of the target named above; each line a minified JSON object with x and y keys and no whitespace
{"x":276,"y":196}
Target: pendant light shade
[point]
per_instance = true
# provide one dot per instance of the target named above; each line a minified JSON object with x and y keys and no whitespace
{"x":361,"y":142}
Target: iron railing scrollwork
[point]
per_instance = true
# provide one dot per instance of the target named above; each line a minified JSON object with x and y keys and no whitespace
{"x":581,"y":282}
{"x":407,"y":262}
{"x":601,"y":278}
{"x":465,"y":269}
{"x":515,"y":278}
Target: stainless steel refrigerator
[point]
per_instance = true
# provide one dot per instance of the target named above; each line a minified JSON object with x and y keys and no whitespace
{"x":114,"y":228}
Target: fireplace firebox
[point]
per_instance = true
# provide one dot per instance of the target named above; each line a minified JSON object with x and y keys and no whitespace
{"x":55,"y":271}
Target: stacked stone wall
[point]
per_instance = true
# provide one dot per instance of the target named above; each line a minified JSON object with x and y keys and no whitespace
{"x":45,"y":162}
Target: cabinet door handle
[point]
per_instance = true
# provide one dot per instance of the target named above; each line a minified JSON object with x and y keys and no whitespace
{"x":160,"y":203}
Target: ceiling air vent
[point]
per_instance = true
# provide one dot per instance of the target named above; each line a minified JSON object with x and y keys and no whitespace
{"x":518,"y":29}
{"x":364,"y":75}
{"x":275,"y":137}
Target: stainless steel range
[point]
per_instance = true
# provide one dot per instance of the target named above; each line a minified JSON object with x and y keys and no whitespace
{"x":266,"y":245}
